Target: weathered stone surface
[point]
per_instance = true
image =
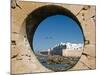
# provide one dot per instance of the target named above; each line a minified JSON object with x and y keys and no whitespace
{"x":23,"y":59}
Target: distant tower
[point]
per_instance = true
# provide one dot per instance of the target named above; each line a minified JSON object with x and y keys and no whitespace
{"x":49,"y":52}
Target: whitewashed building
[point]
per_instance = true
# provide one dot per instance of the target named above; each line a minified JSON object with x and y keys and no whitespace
{"x":67,"y":49}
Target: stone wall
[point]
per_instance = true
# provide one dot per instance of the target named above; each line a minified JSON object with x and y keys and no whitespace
{"x":72,"y":53}
{"x":23,"y":59}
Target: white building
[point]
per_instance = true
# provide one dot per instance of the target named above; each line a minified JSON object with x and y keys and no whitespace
{"x":73,"y":49}
{"x":71,"y":46}
{"x":74,"y":46}
{"x":67,"y":49}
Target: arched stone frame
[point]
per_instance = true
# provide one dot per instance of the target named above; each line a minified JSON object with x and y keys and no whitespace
{"x":37,"y":16}
{"x":24,"y":64}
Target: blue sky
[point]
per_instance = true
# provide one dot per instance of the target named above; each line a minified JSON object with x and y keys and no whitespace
{"x":54,"y":30}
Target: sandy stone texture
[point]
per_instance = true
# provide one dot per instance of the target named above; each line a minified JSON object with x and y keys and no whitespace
{"x":23,"y":59}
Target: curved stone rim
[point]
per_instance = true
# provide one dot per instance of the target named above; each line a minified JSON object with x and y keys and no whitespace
{"x":38,"y":15}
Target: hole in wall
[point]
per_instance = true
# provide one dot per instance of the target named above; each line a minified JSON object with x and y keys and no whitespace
{"x":13,"y":42}
{"x":55,"y":36}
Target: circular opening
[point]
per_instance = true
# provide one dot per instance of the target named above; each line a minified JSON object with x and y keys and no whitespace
{"x":55,"y":36}
{"x":58,"y":42}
